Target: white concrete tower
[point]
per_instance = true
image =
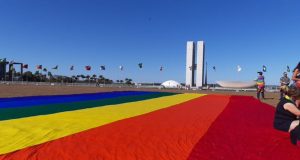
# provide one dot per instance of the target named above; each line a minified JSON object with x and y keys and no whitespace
{"x":190,"y":64}
{"x":200,"y":64}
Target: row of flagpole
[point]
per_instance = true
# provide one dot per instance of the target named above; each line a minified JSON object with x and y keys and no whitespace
{"x":264,"y":68}
{"x":87,"y":68}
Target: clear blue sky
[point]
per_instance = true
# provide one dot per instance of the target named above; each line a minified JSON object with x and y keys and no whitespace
{"x":249,"y":33}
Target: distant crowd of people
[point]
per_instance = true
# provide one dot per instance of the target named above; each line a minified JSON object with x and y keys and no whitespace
{"x":288,"y":109}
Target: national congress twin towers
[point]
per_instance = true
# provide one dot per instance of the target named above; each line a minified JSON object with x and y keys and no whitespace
{"x":195,"y":64}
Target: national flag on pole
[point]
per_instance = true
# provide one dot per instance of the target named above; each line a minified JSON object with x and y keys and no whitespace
{"x":45,"y":69}
{"x":214,"y":68}
{"x":161,"y":68}
{"x":56,"y":67}
{"x":239,"y":68}
{"x":121,"y":68}
{"x":88,"y":68}
{"x":264,"y":68}
{"x":25,"y":66}
{"x":72,"y":68}
{"x":39,"y":67}
{"x":102,"y":68}
{"x":140,"y":65}
{"x":288,"y":69}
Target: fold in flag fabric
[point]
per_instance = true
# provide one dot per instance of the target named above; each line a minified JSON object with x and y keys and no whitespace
{"x":244,"y":130}
{"x":132,"y":125}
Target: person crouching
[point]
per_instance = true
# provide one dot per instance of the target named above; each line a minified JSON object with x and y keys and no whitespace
{"x":287,"y":114}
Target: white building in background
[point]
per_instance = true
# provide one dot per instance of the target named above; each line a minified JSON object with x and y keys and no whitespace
{"x":171,"y":84}
{"x":191,"y":65}
{"x":200,"y":64}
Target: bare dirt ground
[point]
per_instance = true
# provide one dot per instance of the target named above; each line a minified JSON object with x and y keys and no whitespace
{"x":34,"y":90}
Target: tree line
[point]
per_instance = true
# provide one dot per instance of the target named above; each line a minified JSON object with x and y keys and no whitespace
{"x":47,"y":76}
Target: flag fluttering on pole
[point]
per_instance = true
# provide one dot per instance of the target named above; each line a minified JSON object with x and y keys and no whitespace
{"x":56,"y":67}
{"x":45,"y":70}
{"x":214,"y":68}
{"x":39,"y":67}
{"x":193,"y":67}
{"x":140,"y":65}
{"x":72,"y":68}
{"x":161,"y":68}
{"x":288,"y":69}
{"x":121,"y":68}
{"x":88,"y":68}
{"x":102,"y":68}
{"x":264,"y":68}
{"x":25,"y":66}
{"x":239,"y":68}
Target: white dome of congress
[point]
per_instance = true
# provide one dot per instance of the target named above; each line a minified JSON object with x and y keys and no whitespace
{"x":171,"y":84}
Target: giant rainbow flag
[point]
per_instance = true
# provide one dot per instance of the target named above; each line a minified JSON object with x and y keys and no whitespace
{"x":134,"y":125}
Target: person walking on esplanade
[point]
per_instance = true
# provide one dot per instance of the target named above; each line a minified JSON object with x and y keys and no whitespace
{"x":284,"y":82}
{"x":296,"y":76}
{"x":260,"y":82}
